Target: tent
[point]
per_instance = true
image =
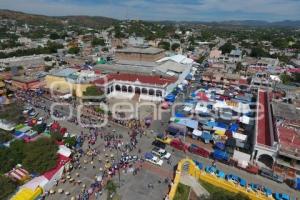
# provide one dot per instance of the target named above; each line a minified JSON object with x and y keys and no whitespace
{"x":220,"y":132}
{"x":200,"y":108}
{"x":170,"y":97}
{"x":239,"y":136}
{"x":220,"y":145}
{"x":242,"y":158}
{"x":196,"y":133}
{"x":245,"y":119}
{"x":297,"y":184}
{"x":202,"y":96}
{"x":206,"y":136}
{"x":234,"y":127}
{"x":187,"y":122}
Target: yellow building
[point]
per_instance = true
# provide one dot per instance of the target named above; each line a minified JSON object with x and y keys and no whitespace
{"x":67,"y":81}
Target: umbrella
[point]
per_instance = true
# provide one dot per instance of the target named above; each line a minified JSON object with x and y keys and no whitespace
{"x":67,"y":193}
{"x":60,"y":190}
{"x":52,"y":191}
{"x":165,"y":105}
{"x":90,"y":191}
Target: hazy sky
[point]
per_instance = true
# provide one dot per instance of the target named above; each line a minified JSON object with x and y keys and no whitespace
{"x":198,"y":10}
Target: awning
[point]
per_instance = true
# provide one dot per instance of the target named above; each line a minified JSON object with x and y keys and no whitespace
{"x":187,"y":122}
{"x":197,"y":132}
{"x":239,"y":136}
{"x":220,"y":132}
{"x":242,"y":158}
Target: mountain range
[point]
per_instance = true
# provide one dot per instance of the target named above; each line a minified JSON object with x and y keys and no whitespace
{"x":99,"y":21}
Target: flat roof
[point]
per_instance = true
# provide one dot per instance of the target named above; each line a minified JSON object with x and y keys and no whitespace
{"x":25,"y":79}
{"x":63,"y":72}
{"x":149,"y":50}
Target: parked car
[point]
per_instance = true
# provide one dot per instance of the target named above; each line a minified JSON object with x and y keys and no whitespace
{"x":198,"y":150}
{"x":271,"y":175}
{"x":159,"y":144}
{"x":153,"y":159}
{"x":281,"y":196}
{"x":40,"y":120}
{"x":178,"y":144}
{"x":162,"y":153}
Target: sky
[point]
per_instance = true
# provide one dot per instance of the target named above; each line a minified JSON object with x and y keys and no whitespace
{"x":179,"y":10}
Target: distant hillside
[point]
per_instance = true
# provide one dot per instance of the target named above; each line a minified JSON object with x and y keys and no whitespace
{"x":33,"y":19}
{"x":257,"y":23}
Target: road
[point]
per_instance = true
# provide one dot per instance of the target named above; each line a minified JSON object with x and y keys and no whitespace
{"x":160,"y":126}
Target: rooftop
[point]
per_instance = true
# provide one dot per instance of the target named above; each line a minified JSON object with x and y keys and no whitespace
{"x":263,"y":130}
{"x":149,"y":50}
{"x":63,"y":72}
{"x":147,"y":79}
{"x":25,"y":79}
{"x":289,"y":136}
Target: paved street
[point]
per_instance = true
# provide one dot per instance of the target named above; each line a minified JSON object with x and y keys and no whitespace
{"x":151,"y":174}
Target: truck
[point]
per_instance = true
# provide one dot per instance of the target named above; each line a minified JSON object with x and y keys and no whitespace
{"x":220,"y":156}
{"x":198,"y":150}
{"x":271,"y":175}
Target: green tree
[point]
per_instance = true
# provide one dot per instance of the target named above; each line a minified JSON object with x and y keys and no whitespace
{"x":111,"y":188}
{"x":7,"y":187}
{"x":98,"y":41}
{"x":10,"y":157}
{"x":164,"y":45}
{"x":285,"y":78}
{"x":73,"y":50}
{"x":56,"y":136}
{"x":5,"y":136}
{"x":70,"y":141}
{"x":227,"y":47}
{"x":40,"y":155}
{"x":258,"y":52}
{"x":175,"y":46}
{"x":54,"y":36}
{"x":92,"y":91}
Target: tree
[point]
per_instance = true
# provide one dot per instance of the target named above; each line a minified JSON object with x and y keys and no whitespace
{"x":11,"y":112}
{"x":227,"y":47}
{"x":7,"y":187}
{"x":5,"y":136}
{"x":40,"y":155}
{"x":98,"y":41}
{"x":70,"y":141}
{"x":175,"y":46}
{"x":56,"y":136}
{"x":92,"y":91}
{"x":73,"y":50}
{"x":285,"y":78}
{"x":54,"y":36}
{"x":164,"y":45}
{"x":258,"y":52}
{"x":10,"y":157}
{"x":111,"y":188}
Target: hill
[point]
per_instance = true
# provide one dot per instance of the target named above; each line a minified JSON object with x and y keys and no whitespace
{"x":33,"y":19}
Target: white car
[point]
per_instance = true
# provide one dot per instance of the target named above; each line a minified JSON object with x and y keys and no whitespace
{"x":162,"y":153}
{"x":40,"y":120}
{"x":155,"y":160}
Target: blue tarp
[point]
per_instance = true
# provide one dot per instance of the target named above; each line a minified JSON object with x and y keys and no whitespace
{"x":189,"y":77}
{"x":180,"y":115}
{"x":206,"y":136}
{"x":234,"y":127}
{"x":170,"y":97}
{"x":220,"y":155}
{"x":188,"y":123}
{"x":297,"y":185}
{"x":221,"y":125}
{"x":211,"y":124}
{"x":220,"y":145}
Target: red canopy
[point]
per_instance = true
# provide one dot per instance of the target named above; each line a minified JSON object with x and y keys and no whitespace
{"x":202,"y":96}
